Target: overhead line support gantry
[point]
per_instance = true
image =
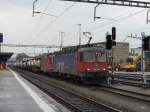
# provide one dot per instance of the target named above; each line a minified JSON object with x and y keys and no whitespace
{"x":129,"y":3}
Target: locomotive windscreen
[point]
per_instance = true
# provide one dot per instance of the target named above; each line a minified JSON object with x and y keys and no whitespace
{"x":87,"y":56}
{"x":93,"y":56}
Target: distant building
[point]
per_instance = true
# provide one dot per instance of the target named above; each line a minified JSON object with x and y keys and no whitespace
{"x":121,"y":52}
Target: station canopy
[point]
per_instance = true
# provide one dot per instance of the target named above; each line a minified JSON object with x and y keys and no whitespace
{"x":4,"y":56}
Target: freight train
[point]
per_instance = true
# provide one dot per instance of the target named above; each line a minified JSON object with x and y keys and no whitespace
{"x":88,"y":64}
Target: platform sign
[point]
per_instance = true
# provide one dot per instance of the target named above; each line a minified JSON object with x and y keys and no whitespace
{"x":1,"y":37}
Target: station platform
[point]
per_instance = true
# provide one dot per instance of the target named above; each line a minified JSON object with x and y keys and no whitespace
{"x":19,"y":95}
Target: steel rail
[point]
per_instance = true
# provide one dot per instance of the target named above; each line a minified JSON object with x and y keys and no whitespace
{"x":126,"y":93}
{"x":131,"y":83}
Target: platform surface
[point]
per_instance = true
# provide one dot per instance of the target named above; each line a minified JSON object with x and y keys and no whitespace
{"x":14,"y":97}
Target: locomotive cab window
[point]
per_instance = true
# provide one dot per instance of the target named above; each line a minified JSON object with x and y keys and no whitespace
{"x":87,"y":56}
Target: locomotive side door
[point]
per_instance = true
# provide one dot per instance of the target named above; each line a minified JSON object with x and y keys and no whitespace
{"x":61,"y":67}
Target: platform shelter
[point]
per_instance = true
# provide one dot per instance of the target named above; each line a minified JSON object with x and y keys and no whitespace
{"x":4,"y":56}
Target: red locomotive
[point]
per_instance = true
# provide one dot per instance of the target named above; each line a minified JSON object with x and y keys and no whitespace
{"x":89,"y":64}
{"x":47,"y":63}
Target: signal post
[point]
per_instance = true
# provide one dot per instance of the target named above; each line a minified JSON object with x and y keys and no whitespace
{"x":110,"y":42}
{"x":113,"y":44}
{"x":145,"y":47}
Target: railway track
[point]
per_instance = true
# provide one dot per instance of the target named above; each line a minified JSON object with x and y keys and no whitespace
{"x":126,"y":93}
{"x":130,"y":83}
{"x":74,"y":102}
{"x":136,"y":81}
{"x":134,"y":78}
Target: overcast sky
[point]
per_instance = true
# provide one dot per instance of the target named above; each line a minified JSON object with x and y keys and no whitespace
{"x":19,"y":27}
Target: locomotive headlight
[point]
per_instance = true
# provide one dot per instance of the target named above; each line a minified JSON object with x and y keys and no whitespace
{"x":109,"y":67}
{"x":104,"y":69}
{"x":88,"y":69}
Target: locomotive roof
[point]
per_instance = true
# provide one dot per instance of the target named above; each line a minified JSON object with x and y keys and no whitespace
{"x":73,"y":49}
{"x":92,"y":49}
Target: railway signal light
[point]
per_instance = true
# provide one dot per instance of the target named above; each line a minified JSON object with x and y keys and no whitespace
{"x":146,"y":42}
{"x":113,"y":33}
{"x":108,"y":42}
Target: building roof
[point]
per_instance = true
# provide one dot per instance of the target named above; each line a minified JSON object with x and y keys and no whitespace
{"x":4,"y":56}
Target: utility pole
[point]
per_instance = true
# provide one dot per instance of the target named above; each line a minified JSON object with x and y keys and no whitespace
{"x":95,"y":11}
{"x":34,"y":7}
{"x":142,"y":57}
{"x":147,"y":20}
{"x":61,"y":43}
{"x":79,"y":34}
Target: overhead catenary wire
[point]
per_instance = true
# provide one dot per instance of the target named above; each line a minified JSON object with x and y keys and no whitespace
{"x":41,"y":17}
{"x":53,"y":21}
{"x":118,"y":20}
{"x":46,"y":8}
{"x":95,"y":29}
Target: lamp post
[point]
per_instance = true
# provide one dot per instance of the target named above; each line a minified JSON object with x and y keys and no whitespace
{"x":79,"y":34}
